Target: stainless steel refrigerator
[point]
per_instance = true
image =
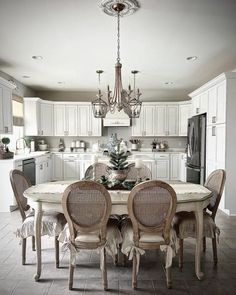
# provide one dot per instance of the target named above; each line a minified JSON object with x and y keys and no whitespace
{"x":196,"y":149}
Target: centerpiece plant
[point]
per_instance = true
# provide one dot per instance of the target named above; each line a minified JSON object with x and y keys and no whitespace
{"x":118,"y":168}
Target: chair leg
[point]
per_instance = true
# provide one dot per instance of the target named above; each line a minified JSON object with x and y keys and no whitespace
{"x":168,"y":278}
{"x":134,"y":273}
{"x":71,"y":272}
{"x":57,"y":251}
{"x":104,"y":270}
{"x":214,"y":248}
{"x":71,"y":276}
{"x":204,"y":244}
{"x":181,"y":253}
{"x":23,"y":251}
{"x":33,"y":243}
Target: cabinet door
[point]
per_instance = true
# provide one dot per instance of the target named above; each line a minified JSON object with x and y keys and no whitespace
{"x":183,"y":170}
{"x":220,"y":146}
{"x":59,"y":120}
{"x":162,"y":169}
{"x":211,"y":144}
{"x":204,"y":102}
{"x":174,"y":167}
{"x":83,"y":120}
{"x":7,"y":110}
{"x":148,"y":120}
{"x":160,"y":121}
{"x":195,"y":105}
{"x":71,"y":169}
{"x":46,"y":121}
{"x":71,"y":120}
{"x":57,"y":165}
{"x":221,"y":103}
{"x":172,"y":120}
{"x":137,"y":124}
{"x":84,"y":164}
{"x":212,"y":105}
{"x":32,"y":118}
{"x":184,"y":114}
{"x":95,"y":124}
{"x":39,"y":173}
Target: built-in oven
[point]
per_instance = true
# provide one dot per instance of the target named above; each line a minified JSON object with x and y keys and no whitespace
{"x":28,"y":167}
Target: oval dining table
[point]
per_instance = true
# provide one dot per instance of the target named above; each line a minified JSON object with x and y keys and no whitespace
{"x":48,"y":197}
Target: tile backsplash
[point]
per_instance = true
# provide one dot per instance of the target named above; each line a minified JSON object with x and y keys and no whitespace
{"x":122,"y":132}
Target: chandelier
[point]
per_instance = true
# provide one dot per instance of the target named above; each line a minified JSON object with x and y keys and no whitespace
{"x":128,"y":101}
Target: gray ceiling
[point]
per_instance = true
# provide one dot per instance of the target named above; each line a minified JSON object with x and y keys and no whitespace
{"x":76,"y":38}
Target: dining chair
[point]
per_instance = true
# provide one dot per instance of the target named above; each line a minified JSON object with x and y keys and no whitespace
{"x":52,"y":222}
{"x":151,"y":207}
{"x":95,"y":171}
{"x":87,"y":207}
{"x":185,"y":223}
{"x":134,"y":173}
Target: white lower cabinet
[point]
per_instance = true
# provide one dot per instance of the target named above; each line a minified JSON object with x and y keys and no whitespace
{"x":43,"y":171}
{"x":71,"y":166}
{"x":162,"y":167}
{"x":182,"y":167}
{"x":175,"y":166}
{"x":57,"y":167}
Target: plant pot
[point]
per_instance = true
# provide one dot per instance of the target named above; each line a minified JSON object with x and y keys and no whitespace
{"x":118,"y":174}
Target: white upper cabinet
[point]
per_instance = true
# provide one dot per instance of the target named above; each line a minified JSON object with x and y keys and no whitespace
{"x":172,"y":120}
{"x":217,"y":104}
{"x":65,"y":120}
{"x":200,"y":103}
{"x":46,"y":119}
{"x":6,"y":119}
{"x":149,"y":118}
{"x":144,"y":125}
{"x":160,"y":120}
{"x":87,"y":124}
{"x":38,"y":117}
{"x":184,"y":114}
{"x":156,"y":120}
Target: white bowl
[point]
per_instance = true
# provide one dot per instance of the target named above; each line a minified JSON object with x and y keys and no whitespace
{"x":43,"y":147}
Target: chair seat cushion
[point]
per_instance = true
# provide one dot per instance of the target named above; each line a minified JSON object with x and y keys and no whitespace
{"x":52,"y":224}
{"x":185,"y":225}
{"x":113,"y":238}
{"x":127,"y":234}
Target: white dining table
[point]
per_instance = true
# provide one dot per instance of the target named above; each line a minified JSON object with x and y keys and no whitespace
{"x":48,"y":197}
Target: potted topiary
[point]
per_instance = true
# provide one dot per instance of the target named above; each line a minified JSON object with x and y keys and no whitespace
{"x":5,"y":153}
{"x":118,"y":169}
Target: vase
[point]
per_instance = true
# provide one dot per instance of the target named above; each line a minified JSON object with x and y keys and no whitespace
{"x":119,"y":175}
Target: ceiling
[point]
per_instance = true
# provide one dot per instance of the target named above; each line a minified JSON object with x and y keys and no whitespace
{"x":75,"y":38}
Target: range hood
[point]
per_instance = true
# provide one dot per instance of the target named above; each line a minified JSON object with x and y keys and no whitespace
{"x":118,"y":119}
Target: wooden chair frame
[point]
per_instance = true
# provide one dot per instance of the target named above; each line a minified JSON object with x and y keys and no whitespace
{"x":91,"y":168}
{"x":23,"y":209}
{"x":100,"y":226}
{"x":163,"y":229}
{"x":213,"y":215}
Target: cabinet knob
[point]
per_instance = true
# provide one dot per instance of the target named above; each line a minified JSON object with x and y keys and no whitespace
{"x":213,"y":119}
{"x":6,"y":129}
{"x":197,"y":110}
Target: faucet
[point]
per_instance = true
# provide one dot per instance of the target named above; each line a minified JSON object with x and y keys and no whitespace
{"x":19,"y":148}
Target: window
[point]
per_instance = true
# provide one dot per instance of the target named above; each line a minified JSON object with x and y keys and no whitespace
{"x":17,"y":110}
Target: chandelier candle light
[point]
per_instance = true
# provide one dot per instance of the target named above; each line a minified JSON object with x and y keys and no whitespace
{"x":128,"y":101}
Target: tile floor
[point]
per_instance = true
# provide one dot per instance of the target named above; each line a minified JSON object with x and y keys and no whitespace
{"x":18,"y":280}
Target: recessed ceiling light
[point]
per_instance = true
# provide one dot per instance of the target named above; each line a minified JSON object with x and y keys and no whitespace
{"x":25,"y":77}
{"x":37,"y":57}
{"x":60,"y":82}
{"x":192,"y":58}
{"x":169,"y":83}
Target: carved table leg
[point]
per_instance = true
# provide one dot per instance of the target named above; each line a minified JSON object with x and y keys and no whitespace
{"x":199,"y":237}
{"x":37,"y":229}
